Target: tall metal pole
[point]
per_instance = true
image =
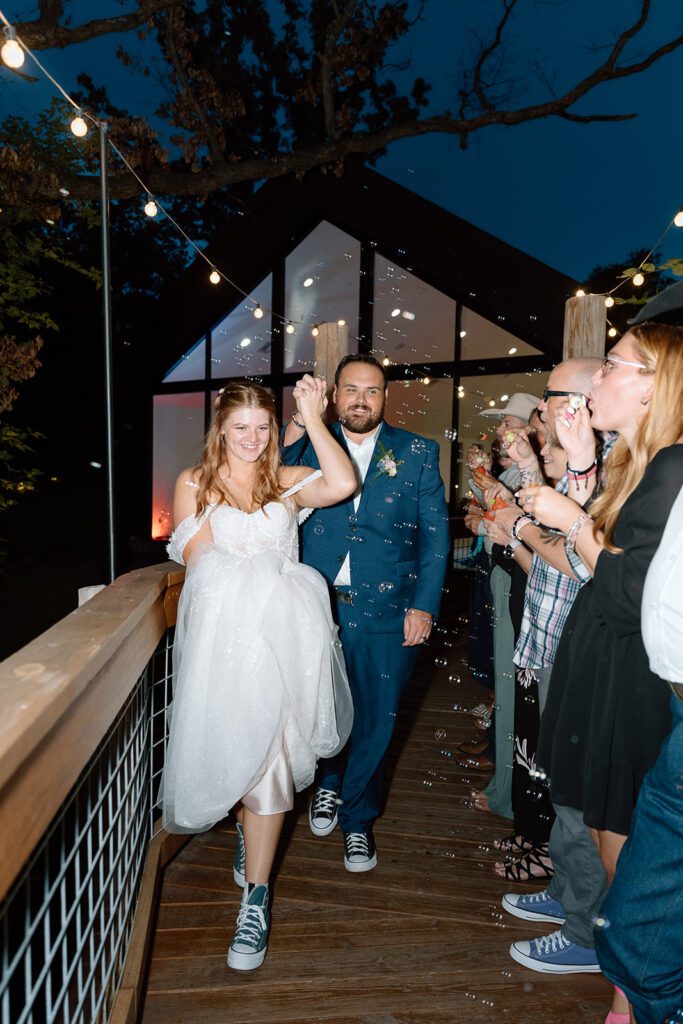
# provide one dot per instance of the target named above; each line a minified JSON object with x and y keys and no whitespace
{"x":108,"y":370}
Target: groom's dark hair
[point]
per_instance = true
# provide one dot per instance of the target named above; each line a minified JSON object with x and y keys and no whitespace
{"x":360,"y":357}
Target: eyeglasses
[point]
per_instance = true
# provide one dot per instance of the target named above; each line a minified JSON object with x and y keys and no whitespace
{"x":547,"y":393}
{"x":611,"y":361}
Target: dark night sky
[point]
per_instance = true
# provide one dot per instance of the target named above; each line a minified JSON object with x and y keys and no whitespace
{"x":571,"y":195}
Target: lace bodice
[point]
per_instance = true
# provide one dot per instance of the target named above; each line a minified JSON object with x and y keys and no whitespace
{"x":246,"y":534}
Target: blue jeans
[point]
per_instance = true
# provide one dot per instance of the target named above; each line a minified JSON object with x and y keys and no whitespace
{"x":640,"y":948}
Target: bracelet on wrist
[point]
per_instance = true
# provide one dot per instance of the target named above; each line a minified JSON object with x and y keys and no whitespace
{"x":519,"y":523}
{"x":296,"y":423}
{"x":572,"y":534}
{"x":576,"y":475}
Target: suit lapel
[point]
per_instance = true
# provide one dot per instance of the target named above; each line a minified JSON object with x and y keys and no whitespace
{"x":372,"y":480}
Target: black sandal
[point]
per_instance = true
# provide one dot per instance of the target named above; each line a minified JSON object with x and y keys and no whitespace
{"x":512,"y":844}
{"x":520,"y":870}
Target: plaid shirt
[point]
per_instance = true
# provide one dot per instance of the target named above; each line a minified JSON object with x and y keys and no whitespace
{"x":548,"y":597}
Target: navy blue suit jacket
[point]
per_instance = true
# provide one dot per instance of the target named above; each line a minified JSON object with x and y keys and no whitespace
{"x":398,"y":539}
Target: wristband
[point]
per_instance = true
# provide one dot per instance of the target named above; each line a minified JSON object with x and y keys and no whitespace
{"x":296,"y":423}
{"x":583,"y":474}
{"x":519,"y":523}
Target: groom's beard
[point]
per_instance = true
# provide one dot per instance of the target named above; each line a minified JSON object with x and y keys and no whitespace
{"x":360,"y":419}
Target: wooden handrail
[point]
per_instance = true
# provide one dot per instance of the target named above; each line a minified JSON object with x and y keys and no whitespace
{"x":60,"y":694}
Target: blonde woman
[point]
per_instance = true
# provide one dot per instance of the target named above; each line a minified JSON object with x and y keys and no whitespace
{"x":260,"y":689}
{"x":607,"y":713}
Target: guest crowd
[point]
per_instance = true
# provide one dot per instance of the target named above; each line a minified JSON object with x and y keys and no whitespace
{"x":580,"y":508}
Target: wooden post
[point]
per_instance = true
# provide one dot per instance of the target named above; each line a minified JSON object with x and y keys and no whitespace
{"x":585,"y":326}
{"x":331,"y":345}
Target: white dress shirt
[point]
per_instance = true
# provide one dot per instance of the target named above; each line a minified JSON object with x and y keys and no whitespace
{"x":361,"y":457}
{"x":662,"y":609}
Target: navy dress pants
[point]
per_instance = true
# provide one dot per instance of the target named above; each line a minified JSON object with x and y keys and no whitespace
{"x":379,"y":668}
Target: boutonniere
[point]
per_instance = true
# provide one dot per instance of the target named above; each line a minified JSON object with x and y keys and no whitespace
{"x":385,"y":461}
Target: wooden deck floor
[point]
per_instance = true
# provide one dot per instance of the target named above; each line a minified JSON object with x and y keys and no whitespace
{"x":420,"y":940}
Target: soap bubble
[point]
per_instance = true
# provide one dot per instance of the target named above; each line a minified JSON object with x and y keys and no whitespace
{"x":440,"y":734}
{"x":318,"y":529}
{"x":385,"y":586}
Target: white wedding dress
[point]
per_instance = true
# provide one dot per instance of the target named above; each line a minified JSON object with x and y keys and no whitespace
{"x":260,"y":686}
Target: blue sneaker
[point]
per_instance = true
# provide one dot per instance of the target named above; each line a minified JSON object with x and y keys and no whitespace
{"x":554,"y":954}
{"x":240,"y":858}
{"x":535,"y":906}
{"x":250,"y":944}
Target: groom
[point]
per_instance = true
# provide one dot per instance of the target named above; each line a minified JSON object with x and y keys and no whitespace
{"x":384,"y":553}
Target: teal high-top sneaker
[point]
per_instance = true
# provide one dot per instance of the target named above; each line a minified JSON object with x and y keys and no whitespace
{"x":250,"y":944}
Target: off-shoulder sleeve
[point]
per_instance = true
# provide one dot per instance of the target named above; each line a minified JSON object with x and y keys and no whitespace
{"x":619,"y":578}
{"x":303,"y":513}
{"x":182,"y":535}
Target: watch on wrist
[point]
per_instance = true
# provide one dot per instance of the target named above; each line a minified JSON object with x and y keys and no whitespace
{"x":509,"y":549}
{"x":296,"y":423}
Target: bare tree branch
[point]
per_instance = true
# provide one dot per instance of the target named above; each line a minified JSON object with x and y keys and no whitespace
{"x":334,"y":29}
{"x":487,"y":52}
{"x":46,"y":32}
{"x":212,"y":140}
{"x":338,"y":146}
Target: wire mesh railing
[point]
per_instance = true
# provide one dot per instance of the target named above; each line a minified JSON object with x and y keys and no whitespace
{"x":65,"y":925}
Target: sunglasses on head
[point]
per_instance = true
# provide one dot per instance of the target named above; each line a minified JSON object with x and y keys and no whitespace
{"x":548,"y":393}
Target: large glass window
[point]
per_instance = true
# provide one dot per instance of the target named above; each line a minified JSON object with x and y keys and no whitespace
{"x":483,"y":339}
{"x":322,"y":285}
{"x":190,"y":366}
{"x":412,"y":322}
{"x":426,"y":409}
{"x":476,"y":395}
{"x":241,"y":342}
{"x":178,"y":425}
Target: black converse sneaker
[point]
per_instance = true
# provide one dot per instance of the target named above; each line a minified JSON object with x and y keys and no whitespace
{"x":250,"y":944}
{"x":322,"y":814}
{"x":360,"y":852}
{"x":240,"y":858}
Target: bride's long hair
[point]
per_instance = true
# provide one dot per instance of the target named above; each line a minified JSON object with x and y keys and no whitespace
{"x":239,"y":395}
{"x":660,"y":348}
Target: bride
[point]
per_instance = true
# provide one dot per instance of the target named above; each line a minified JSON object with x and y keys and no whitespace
{"x":260,"y":688}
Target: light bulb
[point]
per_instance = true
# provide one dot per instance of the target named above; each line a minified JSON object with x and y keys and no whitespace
{"x":11,"y":52}
{"x":258,"y":312}
{"x":638,"y":279}
{"x":426,"y":380}
{"x":492,"y":403}
{"x":308,"y":282}
{"x":151,"y":208}
{"x":612,"y":332}
{"x":396,"y":312}
{"x":214,"y":277}
{"x":79,"y":126}
{"x":511,"y":351}
{"x":580,"y":293}
{"x":678,"y":219}
{"x":609,"y":301}
{"x":315,"y":332}
{"x":290,"y":328}
{"x":386,"y":361}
